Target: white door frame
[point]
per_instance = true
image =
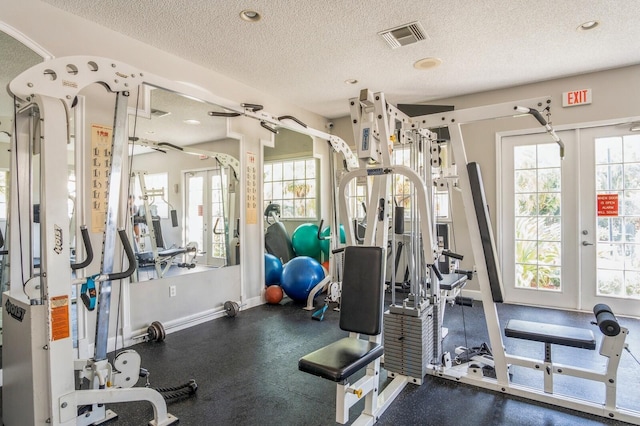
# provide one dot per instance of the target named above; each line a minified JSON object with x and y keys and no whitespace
{"x":500,"y":219}
{"x":568,"y":297}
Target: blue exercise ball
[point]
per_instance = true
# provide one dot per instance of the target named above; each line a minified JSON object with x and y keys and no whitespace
{"x":305,"y":240}
{"x":272,"y":269}
{"x":300,"y":275}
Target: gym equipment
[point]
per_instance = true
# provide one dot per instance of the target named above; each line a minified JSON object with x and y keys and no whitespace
{"x":488,"y":366}
{"x":231,"y":308}
{"x":360,"y":314}
{"x":272,"y":269}
{"x":305,"y":240}
{"x":276,"y":239}
{"x":324,"y":242}
{"x":299,"y":276}
{"x":273,"y":294}
{"x":161,"y":258}
{"x":155,"y":333}
{"x":39,"y":367}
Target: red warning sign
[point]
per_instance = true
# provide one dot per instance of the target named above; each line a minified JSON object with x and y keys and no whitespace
{"x":608,"y":205}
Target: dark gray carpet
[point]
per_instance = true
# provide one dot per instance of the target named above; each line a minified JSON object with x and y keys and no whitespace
{"x":246,"y":369}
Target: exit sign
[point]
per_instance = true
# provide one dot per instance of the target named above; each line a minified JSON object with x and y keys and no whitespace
{"x":576,"y":97}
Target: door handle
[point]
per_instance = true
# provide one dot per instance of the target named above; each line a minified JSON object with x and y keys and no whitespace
{"x":586,"y":243}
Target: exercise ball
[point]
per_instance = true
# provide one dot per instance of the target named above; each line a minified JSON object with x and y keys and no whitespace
{"x":273,"y":294}
{"x":300,"y":275}
{"x":325,"y":244}
{"x":305,"y":240}
{"x":272,"y":269}
{"x":325,"y":265}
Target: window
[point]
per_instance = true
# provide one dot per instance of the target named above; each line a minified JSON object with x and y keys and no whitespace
{"x":156,"y":184}
{"x":537,"y":172}
{"x":292,"y":185}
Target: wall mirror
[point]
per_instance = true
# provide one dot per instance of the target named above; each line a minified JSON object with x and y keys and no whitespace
{"x":184,"y":191}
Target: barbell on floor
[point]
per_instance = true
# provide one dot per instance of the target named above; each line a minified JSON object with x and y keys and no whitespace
{"x":155,"y":333}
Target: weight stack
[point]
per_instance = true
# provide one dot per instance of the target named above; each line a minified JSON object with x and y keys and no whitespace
{"x":408,"y":343}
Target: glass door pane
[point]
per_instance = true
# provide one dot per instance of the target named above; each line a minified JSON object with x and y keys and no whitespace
{"x":617,"y":170}
{"x":538,"y":228}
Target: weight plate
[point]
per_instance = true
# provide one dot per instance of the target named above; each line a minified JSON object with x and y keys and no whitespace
{"x":231,"y":308}
{"x":160,"y":331}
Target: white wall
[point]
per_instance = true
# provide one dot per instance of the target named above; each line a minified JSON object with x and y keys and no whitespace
{"x":51,"y":29}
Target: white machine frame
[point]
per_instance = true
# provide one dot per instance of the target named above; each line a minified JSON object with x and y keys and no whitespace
{"x":610,"y":347}
{"x":39,"y":368}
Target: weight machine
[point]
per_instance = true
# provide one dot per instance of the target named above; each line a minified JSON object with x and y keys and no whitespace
{"x":147,"y":227}
{"x":40,"y":370}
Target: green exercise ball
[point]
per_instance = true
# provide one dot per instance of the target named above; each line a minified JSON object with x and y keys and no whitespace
{"x":305,"y":240}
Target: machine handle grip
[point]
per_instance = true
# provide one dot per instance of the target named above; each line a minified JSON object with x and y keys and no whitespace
{"x":130,"y":257}
{"x":223,"y":114}
{"x":452,"y":255}
{"x":606,"y":320}
{"x":215,"y":227}
{"x":86,"y":241}
{"x":264,"y":125}
{"x":320,"y":236}
{"x":292,"y":118}
{"x":437,"y":271}
{"x":355,"y":231}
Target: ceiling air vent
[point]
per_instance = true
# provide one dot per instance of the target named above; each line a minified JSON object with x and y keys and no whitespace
{"x":156,"y":113}
{"x":404,"y":35}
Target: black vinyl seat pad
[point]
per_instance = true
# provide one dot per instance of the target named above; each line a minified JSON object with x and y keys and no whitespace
{"x":339,"y":360}
{"x":452,"y":281}
{"x":551,"y":333}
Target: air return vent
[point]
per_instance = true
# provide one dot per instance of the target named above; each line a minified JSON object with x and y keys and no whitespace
{"x":404,"y":35}
{"x":156,"y":113}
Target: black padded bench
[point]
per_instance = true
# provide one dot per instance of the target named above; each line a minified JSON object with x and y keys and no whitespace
{"x":452,"y":281}
{"x":550,"y":334}
{"x":360,"y":312}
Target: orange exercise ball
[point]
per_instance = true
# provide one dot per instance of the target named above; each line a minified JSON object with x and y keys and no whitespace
{"x":273,"y":294}
{"x":325,"y":265}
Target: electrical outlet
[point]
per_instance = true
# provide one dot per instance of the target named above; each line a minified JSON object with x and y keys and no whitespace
{"x":172,"y":290}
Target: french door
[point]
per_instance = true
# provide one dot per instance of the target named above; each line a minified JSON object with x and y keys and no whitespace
{"x":610,"y":232}
{"x":568,"y":227}
{"x":205,"y":218}
{"x":538,"y":220}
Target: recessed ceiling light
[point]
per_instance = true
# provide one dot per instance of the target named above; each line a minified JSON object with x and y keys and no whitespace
{"x":427,"y":63}
{"x":589,"y":25}
{"x":351,"y":81}
{"x":191,"y":121}
{"x":250,"y":15}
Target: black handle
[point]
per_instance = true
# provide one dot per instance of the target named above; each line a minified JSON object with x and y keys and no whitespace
{"x":215,"y":227}
{"x":437,"y":272}
{"x":320,"y":236}
{"x":86,"y":241}
{"x":355,"y":231}
{"x":291,"y":117}
{"x":606,"y":321}
{"x":252,"y":107}
{"x":224,"y":114}
{"x":264,"y":125}
{"x":130,"y":257}
{"x":452,"y":255}
{"x":179,"y":148}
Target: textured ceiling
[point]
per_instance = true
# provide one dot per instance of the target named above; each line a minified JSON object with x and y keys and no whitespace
{"x":303,"y":51}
